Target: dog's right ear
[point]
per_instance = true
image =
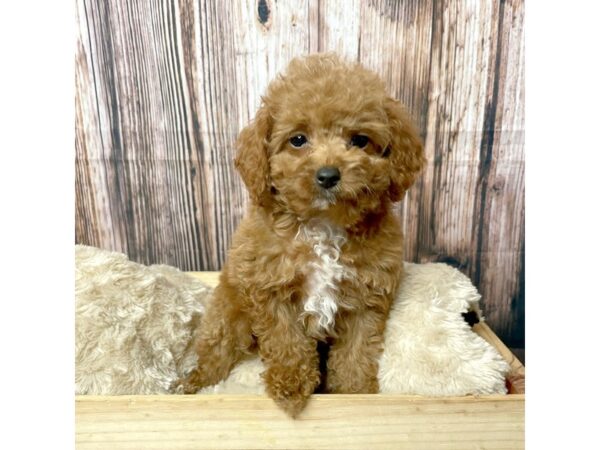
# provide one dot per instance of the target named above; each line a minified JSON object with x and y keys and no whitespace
{"x":252,"y":159}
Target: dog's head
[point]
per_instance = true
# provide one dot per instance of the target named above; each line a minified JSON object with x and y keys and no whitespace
{"x":329,"y":142}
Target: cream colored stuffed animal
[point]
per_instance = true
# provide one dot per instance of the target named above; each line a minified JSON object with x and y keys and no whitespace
{"x":135,"y":324}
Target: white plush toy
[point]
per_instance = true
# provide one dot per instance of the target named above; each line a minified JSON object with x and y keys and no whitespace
{"x":135,"y":326}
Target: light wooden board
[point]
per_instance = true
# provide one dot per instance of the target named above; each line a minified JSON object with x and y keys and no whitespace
{"x":329,"y":421}
{"x":516,"y":376}
{"x":163,"y":87}
{"x":210,"y":278}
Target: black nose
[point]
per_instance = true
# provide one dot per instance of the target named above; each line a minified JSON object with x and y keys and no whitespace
{"x":328,"y":176}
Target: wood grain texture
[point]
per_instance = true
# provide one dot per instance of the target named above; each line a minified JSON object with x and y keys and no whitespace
{"x":210,"y":278}
{"x":164,"y":86}
{"x":516,"y":377}
{"x":329,"y":421}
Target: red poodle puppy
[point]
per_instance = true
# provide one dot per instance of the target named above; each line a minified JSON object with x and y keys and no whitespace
{"x":319,"y":255}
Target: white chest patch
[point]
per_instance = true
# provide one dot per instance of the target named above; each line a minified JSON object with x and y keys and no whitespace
{"x":325,"y":271}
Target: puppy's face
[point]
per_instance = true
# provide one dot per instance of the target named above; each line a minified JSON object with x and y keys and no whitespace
{"x":330,"y":159}
{"x":328,"y":142}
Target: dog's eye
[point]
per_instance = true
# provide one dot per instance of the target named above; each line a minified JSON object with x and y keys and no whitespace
{"x":298,"y":141}
{"x":359,"y":140}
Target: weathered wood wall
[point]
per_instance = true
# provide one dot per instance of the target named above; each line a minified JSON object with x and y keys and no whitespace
{"x":163,"y":87}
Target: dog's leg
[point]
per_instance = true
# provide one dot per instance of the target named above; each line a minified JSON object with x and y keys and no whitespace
{"x":225,"y":336}
{"x":354,"y":356}
{"x":290,"y":356}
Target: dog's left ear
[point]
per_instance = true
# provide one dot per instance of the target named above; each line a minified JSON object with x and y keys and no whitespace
{"x":252,"y":159}
{"x":405,"y":150}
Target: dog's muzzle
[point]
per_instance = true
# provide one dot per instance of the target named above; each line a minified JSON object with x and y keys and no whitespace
{"x":328,"y":176}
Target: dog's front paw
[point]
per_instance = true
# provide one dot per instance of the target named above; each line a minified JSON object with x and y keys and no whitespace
{"x":291,"y":388}
{"x":190,"y":384}
{"x":291,"y":404}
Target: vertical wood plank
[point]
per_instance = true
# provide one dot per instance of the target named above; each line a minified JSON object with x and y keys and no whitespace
{"x":339,"y":27}
{"x":264,"y":46}
{"x":93,"y":218}
{"x":461,"y":63}
{"x":216,"y":108}
{"x":500,"y":215}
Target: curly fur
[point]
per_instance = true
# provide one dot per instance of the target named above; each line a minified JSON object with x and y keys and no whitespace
{"x":325,"y":272}
{"x":286,"y":284}
{"x":134,"y":324}
{"x":429,"y":348}
{"x":134,"y":332}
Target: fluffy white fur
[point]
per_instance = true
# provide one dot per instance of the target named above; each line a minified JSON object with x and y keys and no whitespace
{"x":429,"y":348}
{"x":134,"y":326}
{"x":325,"y":272}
